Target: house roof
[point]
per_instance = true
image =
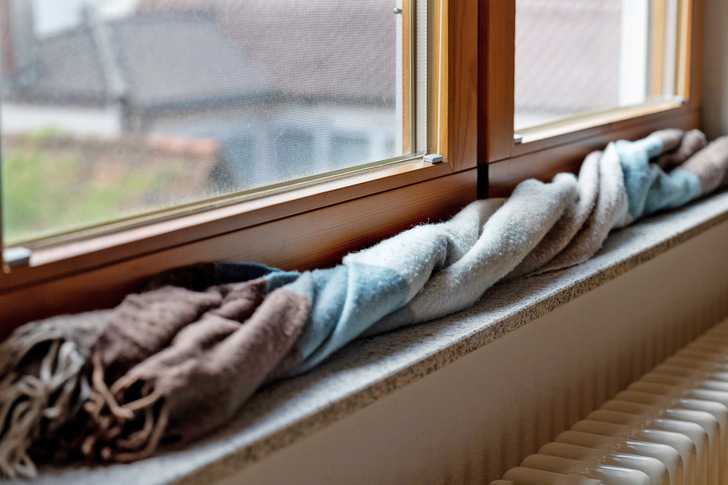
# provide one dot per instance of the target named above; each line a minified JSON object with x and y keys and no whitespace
{"x":68,"y":67}
{"x":309,"y":48}
{"x":177,"y":53}
{"x":176,"y":61}
{"x":153,"y":62}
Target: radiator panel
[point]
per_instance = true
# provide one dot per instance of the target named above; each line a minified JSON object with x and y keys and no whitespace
{"x":682,"y":405}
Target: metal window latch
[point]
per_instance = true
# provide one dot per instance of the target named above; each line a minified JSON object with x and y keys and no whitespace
{"x":517,"y":138}
{"x":396,"y":10}
{"x":16,"y":257}
{"x":432,"y":158}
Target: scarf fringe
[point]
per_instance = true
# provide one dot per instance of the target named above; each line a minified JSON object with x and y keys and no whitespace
{"x":27,"y":400}
{"x":111,"y":439}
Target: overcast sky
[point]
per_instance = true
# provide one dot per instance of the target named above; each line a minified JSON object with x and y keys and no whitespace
{"x":52,"y":16}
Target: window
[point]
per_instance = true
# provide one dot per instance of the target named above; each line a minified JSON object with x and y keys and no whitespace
{"x":141,"y":107}
{"x":471,"y":98}
{"x":578,"y":58}
{"x":561,"y":83}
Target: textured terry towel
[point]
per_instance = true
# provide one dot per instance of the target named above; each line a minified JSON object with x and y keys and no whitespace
{"x":709,"y":165}
{"x":506,"y":238}
{"x":571,"y":221}
{"x":350,"y":298}
{"x":642,"y":178}
{"x":690,"y":143}
{"x":616,"y":187}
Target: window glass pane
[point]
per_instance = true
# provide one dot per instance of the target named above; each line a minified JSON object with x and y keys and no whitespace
{"x":121,"y":107}
{"x":579,"y":56}
{"x":294,"y":147}
{"x":352,"y":147}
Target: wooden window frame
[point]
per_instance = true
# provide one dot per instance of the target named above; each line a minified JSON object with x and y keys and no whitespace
{"x":316,"y":224}
{"x":303,"y":227}
{"x":560,"y":147}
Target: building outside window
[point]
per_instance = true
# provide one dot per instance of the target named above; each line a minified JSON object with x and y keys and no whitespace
{"x":267,"y":96}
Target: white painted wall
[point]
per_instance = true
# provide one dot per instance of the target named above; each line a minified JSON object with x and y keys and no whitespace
{"x":18,"y":119}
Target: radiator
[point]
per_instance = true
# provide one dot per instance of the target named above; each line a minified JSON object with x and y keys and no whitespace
{"x":668,"y":427}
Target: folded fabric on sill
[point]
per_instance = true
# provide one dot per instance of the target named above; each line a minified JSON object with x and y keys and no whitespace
{"x":180,"y":359}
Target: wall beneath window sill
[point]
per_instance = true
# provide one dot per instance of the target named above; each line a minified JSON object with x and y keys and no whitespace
{"x":463,"y":398}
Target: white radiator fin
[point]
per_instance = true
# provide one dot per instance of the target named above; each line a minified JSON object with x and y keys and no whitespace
{"x":670,"y":427}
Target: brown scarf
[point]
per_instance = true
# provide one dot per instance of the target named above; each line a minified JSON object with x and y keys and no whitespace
{"x":168,"y":363}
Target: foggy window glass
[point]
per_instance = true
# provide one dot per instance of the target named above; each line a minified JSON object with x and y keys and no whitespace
{"x":575,"y":57}
{"x":116,"y":108}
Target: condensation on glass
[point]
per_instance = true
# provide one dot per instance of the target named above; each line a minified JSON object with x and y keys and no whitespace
{"x":575,"y":57}
{"x":116,"y":108}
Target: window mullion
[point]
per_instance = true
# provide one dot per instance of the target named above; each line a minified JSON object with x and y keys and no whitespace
{"x":501,"y":35}
{"x":460,"y":101}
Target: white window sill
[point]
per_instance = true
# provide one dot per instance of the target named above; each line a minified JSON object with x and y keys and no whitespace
{"x":370,"y":369}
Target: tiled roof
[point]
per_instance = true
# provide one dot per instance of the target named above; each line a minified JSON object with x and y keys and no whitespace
{"x":177,"y":61}
{"x":187,"y":52}
{"x":310,"y":48}
{"x":67,"y":65}
{"x":161,"y":62}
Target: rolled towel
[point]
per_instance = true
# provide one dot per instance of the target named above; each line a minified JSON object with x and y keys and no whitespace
{"x":56,"y":370}
{"x":506,"y":238}
{"x":610,"y":206}
{"x":710,"y":165}
{"x":692,"y":142}
{"x":348,"y":299}
{"x":570,"y":223}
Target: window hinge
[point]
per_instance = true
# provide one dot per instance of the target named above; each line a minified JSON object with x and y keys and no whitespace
{"x":16,"y":257}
